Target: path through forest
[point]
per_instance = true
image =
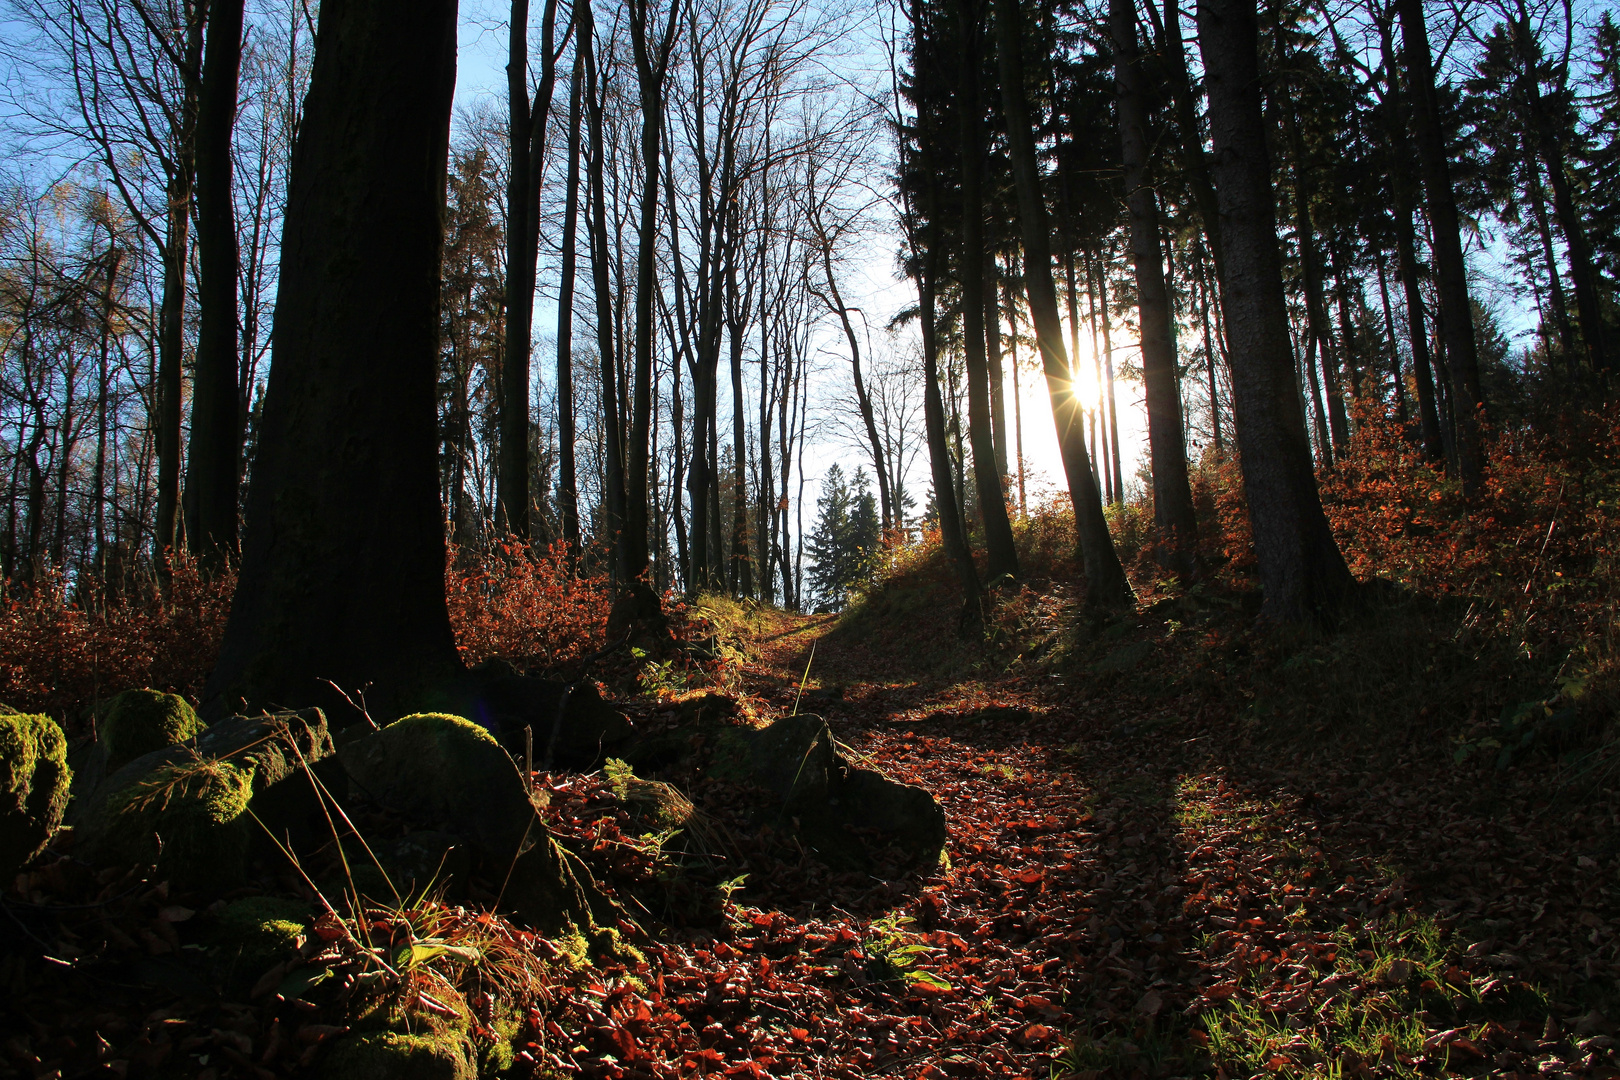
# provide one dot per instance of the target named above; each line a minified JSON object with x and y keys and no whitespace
{"x":1141,"y":893}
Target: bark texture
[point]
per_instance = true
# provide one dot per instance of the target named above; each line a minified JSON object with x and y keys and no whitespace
{"x":1302,"y":573}
{"x":342,"y":572}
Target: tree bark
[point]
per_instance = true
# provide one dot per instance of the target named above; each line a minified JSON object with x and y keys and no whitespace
{"x":567,"y":482}
{"x":343,"y":561}
{"x":1451,"y":271}
{"x":1174,"y":517}
{"x":998,"y":537}
{"x":1302,"y":573}
{"x":1107,"y":586}
{"x":214,"y":462}
{"x":1406,"y":257}
{"x":171,"y":320}
{"x":526,"y":136}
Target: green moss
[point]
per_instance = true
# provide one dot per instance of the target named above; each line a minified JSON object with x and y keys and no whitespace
{"x":190,"y":820}
{"x":439,"y":730}
{"x":141,"y":721}
{"x":255,"y":933}
{"x":389,"y":1055}
{"x":34,"y":778}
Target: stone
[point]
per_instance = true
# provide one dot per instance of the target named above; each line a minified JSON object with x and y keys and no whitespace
{"x":35,"y":777}
{"x":141,"y":721}
{"x":184,"y":807}
{"x":447,"y":772}
{"x":831,"y":802}
{"x":562,"y":724}
{"x":252,"y":935}
{"x":391,"y":1055}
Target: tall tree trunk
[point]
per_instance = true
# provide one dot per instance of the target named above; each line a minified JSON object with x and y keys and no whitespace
{"x":1210,"y":348}
{"x":1347,"y":330}
{"x":214,"y":462}
{"x":1316,"y":313}
{"x":526,"y":135}
{"x":171,"y":320}
{"x":652,"y":61}
{"x":1451,"y":272}
{"x":1107,"y":586}
{"x":1116,"y":474}
{"x":1302,"y":574}
{"x":998,"y":375}
{"x":567,"y":483}
{"x":343,"y":561}
{"x":103,"y":399}
{"x":1560,"y":305}
{"x":613,"y":508}
{"x":998,"y":537}
{"x":1193,"y":160}
{"x":1174,"y":517}
{"x":1406,"y":255}
{"x":1394,"y":351}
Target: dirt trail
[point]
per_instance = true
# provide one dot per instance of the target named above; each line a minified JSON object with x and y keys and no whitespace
{"x":1128,"y":894}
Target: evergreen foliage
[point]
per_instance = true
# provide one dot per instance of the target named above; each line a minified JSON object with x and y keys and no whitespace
{"x":846,"y":539}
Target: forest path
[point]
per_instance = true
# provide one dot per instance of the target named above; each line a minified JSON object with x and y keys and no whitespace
{"x":1135,"y":892}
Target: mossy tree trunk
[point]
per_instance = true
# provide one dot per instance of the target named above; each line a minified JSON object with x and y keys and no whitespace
{"x":342,"y":572}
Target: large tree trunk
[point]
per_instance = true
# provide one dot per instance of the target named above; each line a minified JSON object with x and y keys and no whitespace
{"x":1107,"y":585}
{"x":342,"y":573}
{"x":526,"y":138}
{"x":214,"y":463}
{"x":567,"y":483}
{"x":1406,"y":255}
{"x":1193,"y":161}
{"x":1173,"y":513}
{"x":1451,"y":272}
{"x":172,"y":313}
{"x":1316,"y":313}
{"x":1302,"y":574}
{"x":998,"y":537}
{"x":652,"y":61}
{"x":613,"y":508}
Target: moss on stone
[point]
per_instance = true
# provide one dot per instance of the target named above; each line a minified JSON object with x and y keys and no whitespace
{"x":34,"y":779}
{"x":189,"y":819}
{"x":390,"y":1055}
{"x":141,"y":721}
{"x":257,"y":932}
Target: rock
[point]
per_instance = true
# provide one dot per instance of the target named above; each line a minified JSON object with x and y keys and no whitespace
{"x":189,"y":820}
{"x":390,"y":1055}
{"x":446,"y":771}
{"x":568,"y":725}
{"x":655,"y":805}
{"x":35,"y":775}
{"x":255,"y":933}
{"x":184,"y":807}
{"x":413,"y":865}
{"x":1123,"y":659}
{"x":141,"y":721}
{"x":827,"y":797}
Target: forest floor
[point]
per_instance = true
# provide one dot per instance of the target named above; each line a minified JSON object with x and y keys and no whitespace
{"x":1145,"y":880}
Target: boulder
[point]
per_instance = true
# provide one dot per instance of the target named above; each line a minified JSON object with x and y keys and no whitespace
{"x":413,"y":865}
{"x":447,"y":772}
{"x":255,"y":933}
{"x":829,"y":801}
{"x":391,"y":1055}
{"x":34,"y":779}
{"x":184,"y":807}
{"x":567,"y":725}
{"x":141,"y":721}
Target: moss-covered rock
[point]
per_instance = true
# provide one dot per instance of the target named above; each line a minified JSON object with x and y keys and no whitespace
{"x":34,"y":781}
{"x":390,"y":1055}
{"x":654,"y":805}
{"x":253,"y":934}
{"x":141,"y":721}
{"x":445,"y":770}
{"x":238,"y":759}
{"x":189,"y":820}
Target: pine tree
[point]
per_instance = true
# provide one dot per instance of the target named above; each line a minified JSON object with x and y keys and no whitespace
{"x":847,"y":535}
